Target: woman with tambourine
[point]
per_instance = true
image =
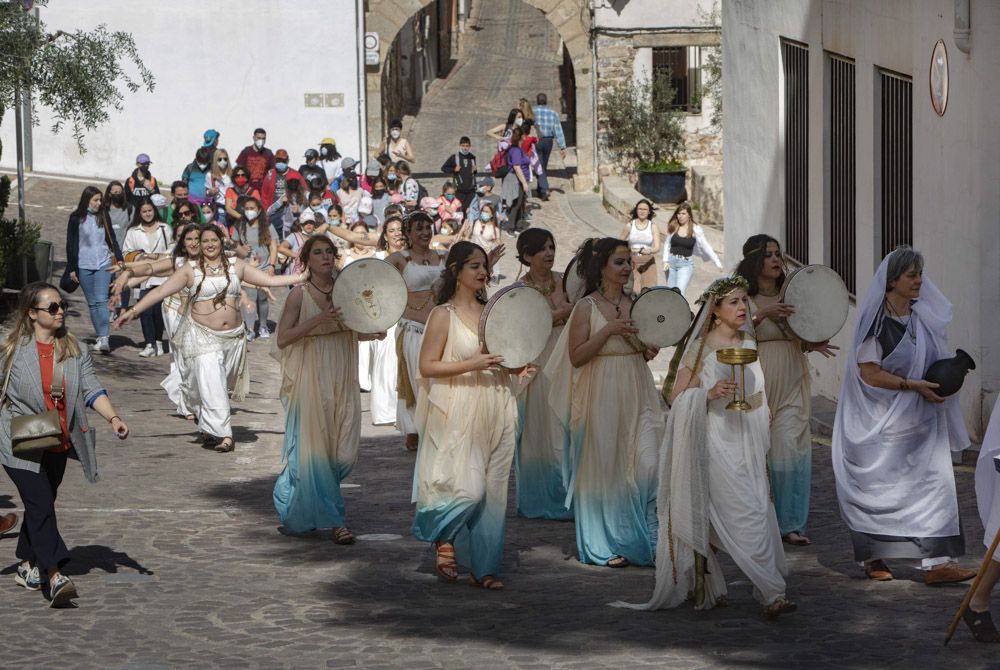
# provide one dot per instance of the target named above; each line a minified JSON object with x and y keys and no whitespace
{"x":467,"y":418}
{"x":538,"y":462}
{"x":893,"y":435}
{"x":786,"y":375}
{"x":603,"y":393}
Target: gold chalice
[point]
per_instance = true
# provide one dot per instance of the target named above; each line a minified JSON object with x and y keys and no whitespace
{"x":740,"y":356}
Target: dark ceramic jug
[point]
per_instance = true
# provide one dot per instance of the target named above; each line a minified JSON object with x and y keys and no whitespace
{"x":949,"y":373}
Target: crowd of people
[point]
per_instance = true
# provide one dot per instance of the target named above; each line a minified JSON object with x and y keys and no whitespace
{"x":582,"y":426}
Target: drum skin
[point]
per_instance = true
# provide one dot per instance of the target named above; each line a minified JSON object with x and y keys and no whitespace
{"x":371,"y":294}
{"x":821,"y":301}
{"x":662,"y":316}
{"x":516,"y":324}
{"x":573,"y":284}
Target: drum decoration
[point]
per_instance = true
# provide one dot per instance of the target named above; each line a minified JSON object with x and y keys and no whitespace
{"x":741,"y":356}
{"x":371,"y":294}
{"x":516,"y":324}
{"x":662,"y":316}
{"x":821,"y":301}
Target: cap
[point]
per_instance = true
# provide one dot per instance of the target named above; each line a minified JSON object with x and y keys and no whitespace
{"x":142,"y":158}
{"x":281,"y":153}
{"x":311,"y":153}
{"x":210,"y":136}
{"x":307,"y":215}
{"x":328,"y":140}
{"x":428,"y":203}
{"x":158,"y":200}
{"x":486,"y":181}
{"x":347,"y":163}
{"x":373,"y":169}
{"x":365,"y":206}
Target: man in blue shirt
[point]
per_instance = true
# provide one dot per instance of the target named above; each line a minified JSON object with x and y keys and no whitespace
{"x":548,"y":127}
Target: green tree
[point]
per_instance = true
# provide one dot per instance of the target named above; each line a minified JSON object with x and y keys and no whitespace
{"x":78,"y":75}
{"x":712,"y":65}
{"x":640,"y":126}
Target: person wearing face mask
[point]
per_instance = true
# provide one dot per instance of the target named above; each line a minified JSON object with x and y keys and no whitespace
{"x":396,"y":147}
{"x":141,"y":183}
{"x":254,"y":244}
{"x":119,"y":214}
{"x":196,"y":174}
{"x":276,"y":179}
{"x":330,"y":159}
{"x":238,"y":193}
{"x":257,"y":159}
{"x":349,"y":193}
{"x":449,"y":206}
{"x":218,"y":182}
{"x":502,"y":133}
{"x":284,"y":211}
{"x":484,"y":194}
{"x":461,"y":168}
{"x":380,"y":199}
{"x":311,"y":171}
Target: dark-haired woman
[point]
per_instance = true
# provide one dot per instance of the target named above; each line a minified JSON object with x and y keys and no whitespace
{"x":91,"y":248}
{"x":150,"y":238}
{"x":319,"y":390}
{"x":538,"y":461}
{"x":119,"y":212}
{"x":238,"y":193}
{"x":644,"y":240}
{"x":786,"y":377}
{"x":515,"y":188}
{"x":38,"y":346}
{"x":252,"y":237}
{"x":685,"y":240}
{"x":502,"y":133}
{"x":211,"y":337}
{"x":603,"y":393}
{"x":396,"y":146}
{"x":467,"y":419}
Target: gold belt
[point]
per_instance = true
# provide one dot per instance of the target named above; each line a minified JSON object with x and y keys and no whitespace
{"x":622,"y":353}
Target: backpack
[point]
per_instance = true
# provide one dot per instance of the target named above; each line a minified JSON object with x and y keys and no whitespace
{"x":421,"y":191}
{"x":498,"y":165}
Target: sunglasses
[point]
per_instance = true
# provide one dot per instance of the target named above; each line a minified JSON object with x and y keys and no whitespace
{"x":54,"y":307}
{"x":185,"y":213}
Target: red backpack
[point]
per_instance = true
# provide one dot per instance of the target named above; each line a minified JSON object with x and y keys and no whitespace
{"x":498,"y":165}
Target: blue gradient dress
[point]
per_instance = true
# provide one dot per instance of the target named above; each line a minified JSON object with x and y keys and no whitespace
{"x":467,"y":427}
{"x":610,"y":410}
{"x":319,"y":390}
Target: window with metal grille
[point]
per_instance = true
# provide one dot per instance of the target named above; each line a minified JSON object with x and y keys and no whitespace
{"x":895,"y":156}
{"x":795,"y":64}
{"x":684,"y":65}
{"x":842,"y":219}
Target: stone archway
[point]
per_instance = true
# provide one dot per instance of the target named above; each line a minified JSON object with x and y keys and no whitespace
{"x":571,"y":19}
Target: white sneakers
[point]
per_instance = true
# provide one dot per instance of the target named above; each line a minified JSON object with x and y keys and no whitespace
{"x":148,"y":352}
{"x":262,"y":332}
{"x":101,"y":346}
{"x":159,"y":348}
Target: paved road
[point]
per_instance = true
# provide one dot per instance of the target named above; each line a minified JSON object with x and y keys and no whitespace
{"x":180,"y":562}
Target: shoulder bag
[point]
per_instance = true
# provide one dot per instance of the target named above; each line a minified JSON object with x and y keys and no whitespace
{"x":33,"y":434}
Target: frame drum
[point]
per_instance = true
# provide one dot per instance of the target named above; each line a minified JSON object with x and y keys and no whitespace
{"x":573,"y":284}
{"x":371,"y":294}
{"x":820,"y":299}
{"x":516,"y":324}
{"x":662,"y":316}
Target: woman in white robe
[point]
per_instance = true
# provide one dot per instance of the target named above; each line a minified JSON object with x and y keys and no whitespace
{"x":977,"y":616}
{"x":384,"y":364}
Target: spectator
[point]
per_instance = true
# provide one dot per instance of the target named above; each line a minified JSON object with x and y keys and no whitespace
{"x":318,"y":188}
{"x":527,"y":112}
{"x":276,"y":179}
{"x":312,"y":172}
{"x":329,"y":160}
{"x":501,"y":133}
{"x":149,"y":235}
{"x":284,"y":211}
{"x":461,"y":167}
{"x":449,"y":207}
{"x":179,"y":194}
{"x":211,"y":140}
{"x":91,"y":248}
{"x":373,"y":171}
{"x":39,"y":346}
{"x":218,"y":182}
{"x":256,"y":159}
{"x":119,"y":214}
{"x":196,"y":174}
{"x":484,"y":194}
{"x":290,"y":247}
{"x":515,"y":188}
{"x":254,"y":244}
{"x":484,"y":230}
{"x":141,"y":183}
{"x":349,"y":194}
{"x":238,"y":193}
{"x":396,"y":147}
{"x":392,"y":182}
{"x":549,"y":128}
{"x":410,"y":188}
{"x":380,"y":199}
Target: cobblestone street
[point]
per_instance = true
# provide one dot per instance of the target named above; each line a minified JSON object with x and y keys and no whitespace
{"x":180,"y":562}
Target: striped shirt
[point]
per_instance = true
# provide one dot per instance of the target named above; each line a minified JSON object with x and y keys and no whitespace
{"x":548,"y":125}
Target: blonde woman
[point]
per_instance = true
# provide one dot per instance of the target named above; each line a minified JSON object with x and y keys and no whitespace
{"x":644,"y":240}
{"x":217,"y":182}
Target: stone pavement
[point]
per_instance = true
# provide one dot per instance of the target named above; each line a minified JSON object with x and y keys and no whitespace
{"x":180,"y":562}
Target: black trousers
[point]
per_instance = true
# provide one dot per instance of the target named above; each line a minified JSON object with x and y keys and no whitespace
{"x":39,"y":541}
{"x":466,"y":198}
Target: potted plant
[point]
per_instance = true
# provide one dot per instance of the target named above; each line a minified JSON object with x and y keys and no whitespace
{"x":21,"y":251}
{"x":646,"y":134}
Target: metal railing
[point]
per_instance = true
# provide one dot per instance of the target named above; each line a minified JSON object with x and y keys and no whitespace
{"x":795,"y":64}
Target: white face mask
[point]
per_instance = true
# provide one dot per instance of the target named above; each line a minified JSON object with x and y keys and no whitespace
{"x":518,"y":122}
{"x":259,"y":144}
{"x":202,"y":166}
{"x":250,"y":214}
{"x":223,"y":163}
{"x":394,"y":134}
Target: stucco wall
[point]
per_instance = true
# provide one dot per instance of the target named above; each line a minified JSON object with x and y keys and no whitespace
{"x":649,"y":13}
{"x":956,"y":179}
{"x":232,"y":65}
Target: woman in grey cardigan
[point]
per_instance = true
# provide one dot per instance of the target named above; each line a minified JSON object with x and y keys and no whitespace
{"x":28,"y":355}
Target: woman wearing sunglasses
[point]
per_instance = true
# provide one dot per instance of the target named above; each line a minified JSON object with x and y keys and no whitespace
{"x":38,"y":344}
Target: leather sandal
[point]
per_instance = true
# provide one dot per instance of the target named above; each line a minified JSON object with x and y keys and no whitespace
{"x":445,"y":564}
{"x":227,"y":445}
{"x":489,"y":582}
{"x":618,"y":562}
{"x":343,"y":536}
{"x":779,"y":607}
{"x":878,"y":571}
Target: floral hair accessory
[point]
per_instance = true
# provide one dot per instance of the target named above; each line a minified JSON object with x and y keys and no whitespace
{"x":720,"y":288}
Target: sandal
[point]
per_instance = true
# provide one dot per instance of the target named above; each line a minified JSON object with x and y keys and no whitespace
{"x":189,"y":417}
{"x":343,"y":536}
{"x":779,"y":607}
{"x":981,"y":625}
{"x":796,"y":539}
{"x":489,"y":582}
{"x":226,"y":445}
{"x":618,"y":562}
{"x":412,"y":441}
{"x":445,"y":564}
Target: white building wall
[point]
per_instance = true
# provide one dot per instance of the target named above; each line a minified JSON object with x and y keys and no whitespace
{"x":232,"y":65}
{"x":956,"y":177}
{"x":649,"y":13}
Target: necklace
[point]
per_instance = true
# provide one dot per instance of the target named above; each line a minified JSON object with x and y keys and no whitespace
{"x":544,"y":289}
{"x":423,"y":261}
{"x":616,"y":305}
{"x":214,"y":269}
{"x":910,"y":329}
{"x":768,"y":294}
{"x":319,"y":289}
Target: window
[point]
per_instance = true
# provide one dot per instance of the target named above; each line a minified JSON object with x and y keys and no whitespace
{"x":841,"y":169}
{"x":795,"y":63}
{"x":684,"y":65}
{"x":895,"y":155}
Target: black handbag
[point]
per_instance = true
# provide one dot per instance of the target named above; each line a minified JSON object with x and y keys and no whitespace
{"x":66,"y":283}
{"x":33,"y":434}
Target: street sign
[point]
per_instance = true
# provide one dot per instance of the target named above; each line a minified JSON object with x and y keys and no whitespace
{"x":371,"y":57}
{"x":371,"y":41}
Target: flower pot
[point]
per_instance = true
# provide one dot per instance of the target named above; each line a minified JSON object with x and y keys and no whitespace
{"x":949,"y":373}
{"x":663,"y":187}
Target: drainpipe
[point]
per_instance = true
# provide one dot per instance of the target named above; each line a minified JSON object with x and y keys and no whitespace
{"x":593,"y":96}
{"x":362,"y":88}
{"x":963,"y":26}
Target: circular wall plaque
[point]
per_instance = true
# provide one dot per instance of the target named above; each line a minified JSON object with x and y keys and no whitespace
{"x":938,"y":78}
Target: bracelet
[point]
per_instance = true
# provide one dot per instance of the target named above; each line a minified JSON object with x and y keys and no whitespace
{"x":112,"y":419}
{"x":904,"y":385}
